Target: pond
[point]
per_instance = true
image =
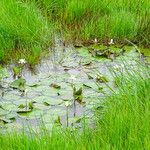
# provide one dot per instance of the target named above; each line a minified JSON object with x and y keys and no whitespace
{"x":80,"y":76}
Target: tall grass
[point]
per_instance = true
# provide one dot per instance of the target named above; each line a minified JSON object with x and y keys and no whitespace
{"x":104,"y":19}
{"x":22,"y":27}
{"x":29,"y":23}
{"x":122,"y":123}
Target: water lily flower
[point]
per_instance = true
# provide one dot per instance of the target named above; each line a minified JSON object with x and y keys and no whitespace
{"x":111,"y":42}
{"x":25,"y":91}
{"x":22,"y":61}
{"x":67,"y":103}
{"x":95,"y":40}
{"x":73,"y":77}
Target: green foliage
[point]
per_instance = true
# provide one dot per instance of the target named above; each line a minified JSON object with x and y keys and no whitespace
{"x":122,"y":122}
{"x":22,"y":27}
{"x":26,"y":24}
{"x":2,"y":72}
{"x":18,"y":84}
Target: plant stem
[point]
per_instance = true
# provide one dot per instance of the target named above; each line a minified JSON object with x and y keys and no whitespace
{"x":67,"y":122}
{"x":74,"y":108}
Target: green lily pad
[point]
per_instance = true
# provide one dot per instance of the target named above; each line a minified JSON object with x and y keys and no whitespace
{"x":101,"y":78}
{"x":52,"y":115}
{"x":10,"y":96}
{"x":24,"y":110}
{"x":40,"y":106}
{"x":34,"y":85}
{"x":7,"y":117}
{"x":18,"y":84}
{"x":47,"y":100}
{"x":56,"y":86}
{"x":34,"y":114}
{"x":9,"y":106}
{"x":3,"y":112}
{"x":75,"y":120}
{"x":17,"y":71}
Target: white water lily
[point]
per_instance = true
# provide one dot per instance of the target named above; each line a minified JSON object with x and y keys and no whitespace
{"x":25,"y":91}
{"x":95,"y":40}
{"x":22,"y":61}
{"x":67,"y":103}
{"x":73,"y":77}
{"x":111,"y":42}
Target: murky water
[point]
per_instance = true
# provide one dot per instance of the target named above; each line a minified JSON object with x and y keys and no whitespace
{"x":65,"y":67}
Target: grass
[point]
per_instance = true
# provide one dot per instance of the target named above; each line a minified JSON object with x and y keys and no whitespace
{"x":122,"y":122}
{"x":22,"y":28}
{"x":105,"y":19}
{"x":28,"y":24}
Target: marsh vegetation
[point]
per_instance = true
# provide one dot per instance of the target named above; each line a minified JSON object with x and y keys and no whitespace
{"x":74,"y":74}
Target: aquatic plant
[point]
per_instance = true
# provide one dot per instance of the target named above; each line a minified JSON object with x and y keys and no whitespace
{"x":122,"y":122}
{"x":67,"y":104}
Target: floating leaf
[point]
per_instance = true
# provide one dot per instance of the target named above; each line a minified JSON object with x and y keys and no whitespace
{"x":8,"y":118}
{"x":57,"y":121}
{"x":56,"y":86}
{"x":5,"y":120}
{"x":33,"y":85}
{"x":85,"y":85}
{"x":21,"y":106}
{"x":16,"y":71}
{"x":18,"y":84}
{"x":46,"y":104}
{"x":77,"y":94}
{"x":101,"y":78}
{"x":30,"y":105}
{"x":75,"y":120}
{"x":24,"y":110}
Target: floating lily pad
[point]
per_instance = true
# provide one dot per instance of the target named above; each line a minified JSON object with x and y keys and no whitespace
{"x":56,"y":86}
{"x":24,"y":110}
{"x":75,"y":120}
{"x":47,"y":100}
{"x":33,"y":85}
{"x":18,"y":84}
{"x":34,"y":114}
{"x":7,"y":117}
{"x":101,"y":78}
{"x":8,"y":106}
{"x":41,"y":106}
{"x":52,"y":115}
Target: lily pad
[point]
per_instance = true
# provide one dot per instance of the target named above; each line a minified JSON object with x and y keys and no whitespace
{"x":101,"y":78}
{"x":75,"y":120}
{"x":56,"y":86}
{"x":8,"y":118}
{"x":24,"y":110}
{"x":18,"y":84}
{"x":41,"y":106}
